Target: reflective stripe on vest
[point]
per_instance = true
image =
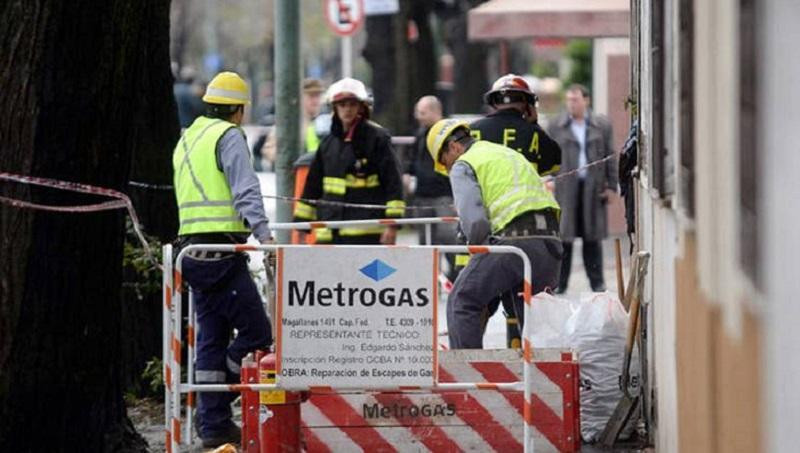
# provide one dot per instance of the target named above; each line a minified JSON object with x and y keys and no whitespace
{"x":395,"y":208}
{"x":312,"y":141}
{"x":205,"y":201}
{"x":305,"y":211}
{"x":509,"y":184}
{"x":363,"y":231}
{"x":323,"y":235}
{"x":335,"y":186}
{"x":362,"y":183}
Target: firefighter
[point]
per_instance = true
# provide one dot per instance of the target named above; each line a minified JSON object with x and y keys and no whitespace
{"x":514,"y":124}
{"x":219,"y":202}
{"x":501,"y":200}
{"x":355,"y":164}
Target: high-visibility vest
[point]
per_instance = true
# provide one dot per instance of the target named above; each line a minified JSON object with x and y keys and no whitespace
{"x":205,"y":202}
{"x":509,"y":184}
{"x":312,"y":140}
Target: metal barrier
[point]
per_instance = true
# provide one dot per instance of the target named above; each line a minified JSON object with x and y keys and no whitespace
{"x":333,"y":224}
{"x":172,"y":316}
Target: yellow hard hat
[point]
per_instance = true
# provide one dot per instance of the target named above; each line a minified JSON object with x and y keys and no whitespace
{"x":437,"y":136}
{"x":227,"y":88}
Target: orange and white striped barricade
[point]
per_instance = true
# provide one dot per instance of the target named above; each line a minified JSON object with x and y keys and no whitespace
{"x":455,"y":421}
{"x":166,"y":356}
{"x":287,"y":382}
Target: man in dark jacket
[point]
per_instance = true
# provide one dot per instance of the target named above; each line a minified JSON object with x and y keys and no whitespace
{"x":584,"y":138}
{"x":355,"y":164}
{"x":432,"y":193}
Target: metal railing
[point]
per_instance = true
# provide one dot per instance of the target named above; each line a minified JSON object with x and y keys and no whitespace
{"x":172,"y":318}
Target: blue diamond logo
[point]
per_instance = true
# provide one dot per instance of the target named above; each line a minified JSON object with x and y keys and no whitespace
{"x":377,"y":270}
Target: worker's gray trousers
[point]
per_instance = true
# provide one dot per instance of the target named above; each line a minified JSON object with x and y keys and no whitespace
{"x":489,"y":275}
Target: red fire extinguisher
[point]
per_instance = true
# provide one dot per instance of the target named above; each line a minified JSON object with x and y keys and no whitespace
{"x":279,"y":414}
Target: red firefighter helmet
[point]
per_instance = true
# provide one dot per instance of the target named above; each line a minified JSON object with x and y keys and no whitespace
{"x":510,"y":88}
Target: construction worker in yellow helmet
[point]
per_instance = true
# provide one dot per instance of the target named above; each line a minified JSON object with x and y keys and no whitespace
{"x":219,"y":202}
{"x":500,"y":200}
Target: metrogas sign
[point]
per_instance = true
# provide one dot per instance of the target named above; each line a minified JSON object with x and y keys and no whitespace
{"x":338,"y":295}
{"x":356,"y":317}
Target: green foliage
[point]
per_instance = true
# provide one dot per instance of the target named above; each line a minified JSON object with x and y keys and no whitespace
{"x":149,"y":384}
{"x":579,"y":52}
{"x":152,"y":377}
{"x":141,"y":274}
{"x":542,"y":69}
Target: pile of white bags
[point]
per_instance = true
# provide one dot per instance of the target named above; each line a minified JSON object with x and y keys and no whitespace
{"x":595,"y":327}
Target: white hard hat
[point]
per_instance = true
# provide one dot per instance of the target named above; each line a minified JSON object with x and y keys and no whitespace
{"x":347,"y":88}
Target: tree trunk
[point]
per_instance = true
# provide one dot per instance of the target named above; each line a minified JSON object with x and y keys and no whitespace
{"x":379,"y":52}
{"x":403,"y":70}
{"x":85,"y":87}
{"x":470,"y":78}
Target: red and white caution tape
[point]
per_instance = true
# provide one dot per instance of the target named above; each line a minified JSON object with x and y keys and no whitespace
{"x":145,"y":185}
{"x":120,"y":201}
{"x":317,"y":202}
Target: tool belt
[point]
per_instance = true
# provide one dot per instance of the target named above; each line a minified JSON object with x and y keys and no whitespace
{"x":542,"y":224}
{"x":208,"y":238}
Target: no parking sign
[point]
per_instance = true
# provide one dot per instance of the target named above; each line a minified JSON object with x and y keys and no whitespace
{"x":344,"y":16}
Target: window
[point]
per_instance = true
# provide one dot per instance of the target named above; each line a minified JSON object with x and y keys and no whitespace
{"x":663,"y":174}
{"x":686,"y":118}
{"x":748,"y":159}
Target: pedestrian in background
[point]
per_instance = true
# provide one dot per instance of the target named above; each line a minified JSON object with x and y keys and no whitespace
{"x":433,"y":196}
{"x":188,"y":96}
{"x":355,"y":164}
{"x":585,"y":137}
{"x":312,"y":103}
{"x":219,"y":202}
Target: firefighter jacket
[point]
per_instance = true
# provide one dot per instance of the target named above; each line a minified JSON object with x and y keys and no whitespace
{"x":507,"y":127}
{"x":359,"y":168}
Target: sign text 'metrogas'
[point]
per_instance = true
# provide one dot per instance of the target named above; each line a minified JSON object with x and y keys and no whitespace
{"x":342,"y":296}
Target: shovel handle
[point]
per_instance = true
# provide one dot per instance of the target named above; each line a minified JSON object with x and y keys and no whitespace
{"x":634,"y":299}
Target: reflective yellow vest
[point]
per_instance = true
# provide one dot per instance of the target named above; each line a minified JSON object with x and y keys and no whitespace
{"x":205,"y":202}
{"x":312,"y":141}
{"x":509,"y":184}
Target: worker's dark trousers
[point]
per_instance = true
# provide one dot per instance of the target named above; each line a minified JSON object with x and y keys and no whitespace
{"x":489,"y":275}
{"x":225,"y":298}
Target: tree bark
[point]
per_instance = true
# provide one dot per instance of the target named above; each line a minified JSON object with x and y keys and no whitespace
{"x":85,"y":87}
{"x":379,"y":52}
{"x":402,"y":70}
{"x":470,"y":78}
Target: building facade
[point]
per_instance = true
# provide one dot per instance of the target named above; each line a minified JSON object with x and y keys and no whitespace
{"x":715,"y":86}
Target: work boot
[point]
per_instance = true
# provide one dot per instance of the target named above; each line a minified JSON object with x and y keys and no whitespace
{"x":232,"y":435}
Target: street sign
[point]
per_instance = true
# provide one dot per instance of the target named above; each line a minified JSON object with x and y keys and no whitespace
{"x":356,"y":317}
{"x":344,"y":16}
{"x":379,"y":7}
